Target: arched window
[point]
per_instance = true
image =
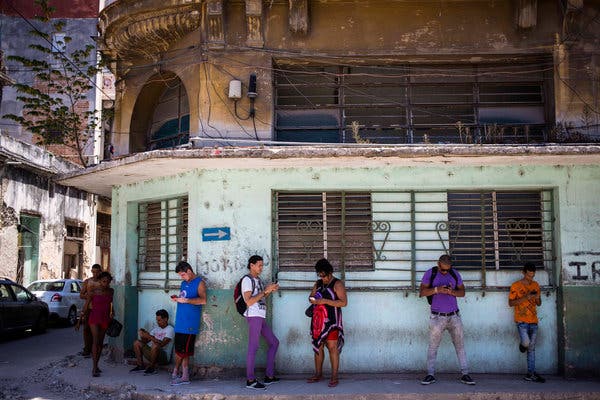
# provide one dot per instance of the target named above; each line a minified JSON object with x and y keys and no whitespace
{"x":161,"y":116}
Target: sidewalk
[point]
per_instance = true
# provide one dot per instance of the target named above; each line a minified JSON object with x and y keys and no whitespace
{"x":117,"y":379}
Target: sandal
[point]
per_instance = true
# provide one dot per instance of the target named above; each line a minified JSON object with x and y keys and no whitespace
{"x":333,"y":382}
{"x":314,"y":379}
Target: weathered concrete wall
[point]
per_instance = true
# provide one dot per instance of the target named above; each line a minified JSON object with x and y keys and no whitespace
{"x":241,"y":199}
{"x":27,"y":188}
{"x":580,"y":315}
{"x":579,"y":310}
{"x":211,"y":111}
{"x":372,"y":32}
{"x":411,"y":28}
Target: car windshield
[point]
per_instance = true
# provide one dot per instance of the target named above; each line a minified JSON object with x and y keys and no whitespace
{"x":47,"y":286}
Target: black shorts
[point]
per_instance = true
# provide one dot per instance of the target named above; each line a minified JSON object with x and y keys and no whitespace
{"x":184,"y":344}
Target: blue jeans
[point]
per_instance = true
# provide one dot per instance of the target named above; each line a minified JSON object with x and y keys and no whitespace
{"x":437,"y":325}
{"x":528,"y":334}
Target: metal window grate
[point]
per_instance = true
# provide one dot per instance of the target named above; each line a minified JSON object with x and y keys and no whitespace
{"x":399,"y":103}
{"x":162,"y":234}
{"x":407,"y":231}
{"x":496,"y":229}
{"x":334,"y":225}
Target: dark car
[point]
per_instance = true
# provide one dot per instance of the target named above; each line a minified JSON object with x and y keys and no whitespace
{"x":20,"y":310}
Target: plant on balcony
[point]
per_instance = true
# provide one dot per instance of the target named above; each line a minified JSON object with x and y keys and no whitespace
{"x":55,"y":105}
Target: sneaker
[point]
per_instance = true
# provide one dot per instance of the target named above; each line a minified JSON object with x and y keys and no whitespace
{"x":255,"y":385}
{"x":538,"y":379}
{"x":522,"y":348}
{"x":534,"y":378}
{"x":137,"y":369}
{"x":270,"y":381}
{"x":179,"y":381}
{"x":150,"y":371}
{"x":466,"y":379}
{"x":428,"y":380}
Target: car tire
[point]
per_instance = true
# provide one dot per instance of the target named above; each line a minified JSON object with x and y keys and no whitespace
{"x":72,"y":316}
{"x":41,"y":324}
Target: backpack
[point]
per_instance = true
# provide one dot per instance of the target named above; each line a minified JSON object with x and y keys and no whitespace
{"x":238,"y":296}
{"x":434,"y":272}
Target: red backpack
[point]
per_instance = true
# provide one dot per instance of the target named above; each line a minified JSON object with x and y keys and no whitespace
{"x":238,"y":296}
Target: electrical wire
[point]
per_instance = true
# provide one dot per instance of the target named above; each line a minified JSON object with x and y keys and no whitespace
{"x":426,"y":72}
{"x":207,"y":78}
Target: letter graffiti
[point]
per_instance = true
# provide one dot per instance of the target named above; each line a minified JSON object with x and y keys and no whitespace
{"x":578,"y":264}
{"x":595,"y":271}
{"x":582,"y":268}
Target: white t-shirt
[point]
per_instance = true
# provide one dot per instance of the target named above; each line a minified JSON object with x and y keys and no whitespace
{"x":258,"y":309}
{"x":160,"y":334}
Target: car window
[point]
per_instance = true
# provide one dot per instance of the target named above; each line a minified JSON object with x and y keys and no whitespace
{"x":5,"y":294}
{"x":20,"y":293}
{"x":74,"y":287}
{"x":54,"y":286}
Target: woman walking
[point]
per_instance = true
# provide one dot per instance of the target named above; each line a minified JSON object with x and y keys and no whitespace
{"x":100,"y":315}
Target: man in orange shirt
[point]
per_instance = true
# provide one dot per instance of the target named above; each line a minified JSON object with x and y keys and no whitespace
{"x":525,"y":297}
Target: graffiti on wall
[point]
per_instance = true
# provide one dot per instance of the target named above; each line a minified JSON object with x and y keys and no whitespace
{"x":584,"y":269}
{"x":232,"y":265}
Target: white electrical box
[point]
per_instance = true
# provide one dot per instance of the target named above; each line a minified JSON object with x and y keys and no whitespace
{"x":235,"y":89}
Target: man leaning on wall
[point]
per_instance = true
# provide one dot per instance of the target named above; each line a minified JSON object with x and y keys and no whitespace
{"x":525,"y":297}
{"x":192,"y":295}
{"x":444,"y":285}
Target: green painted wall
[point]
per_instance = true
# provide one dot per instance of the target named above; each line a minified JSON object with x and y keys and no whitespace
{"x":241,"y":200}
{"x":581,"y":316}
{"x":125,"y":305}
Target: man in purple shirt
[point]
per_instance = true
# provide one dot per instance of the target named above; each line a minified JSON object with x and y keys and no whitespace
{"x":444,"y":288}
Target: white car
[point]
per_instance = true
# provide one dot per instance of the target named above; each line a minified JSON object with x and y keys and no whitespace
{"x":61,"y":295}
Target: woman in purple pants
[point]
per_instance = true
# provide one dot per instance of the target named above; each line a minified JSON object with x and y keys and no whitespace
{"x":255,"y":293}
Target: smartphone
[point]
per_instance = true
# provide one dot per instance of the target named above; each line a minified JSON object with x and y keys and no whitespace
{"x":174,"y":296}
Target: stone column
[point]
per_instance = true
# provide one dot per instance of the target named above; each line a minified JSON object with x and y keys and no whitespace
{"x":254,"y":28}
{"x":526,"y":13}
{"x":298,"y":16}
{"x":215,"y":24}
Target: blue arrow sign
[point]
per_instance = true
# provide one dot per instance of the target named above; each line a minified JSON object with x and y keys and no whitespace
{"x":212,"y":234}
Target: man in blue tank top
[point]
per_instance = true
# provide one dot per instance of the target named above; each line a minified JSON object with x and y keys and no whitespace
{"x":192,"y":295}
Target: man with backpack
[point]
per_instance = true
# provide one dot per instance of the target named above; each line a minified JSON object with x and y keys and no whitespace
{"x":442,"y":285}
{"x":254,"y":293}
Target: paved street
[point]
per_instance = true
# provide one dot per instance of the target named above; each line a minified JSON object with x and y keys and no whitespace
{"x":23,"y":352}
{"x":46,"y":367}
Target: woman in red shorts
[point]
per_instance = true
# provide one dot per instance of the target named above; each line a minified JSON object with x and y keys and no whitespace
{"x":99,"y":317}
{"x":328,"y":296}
